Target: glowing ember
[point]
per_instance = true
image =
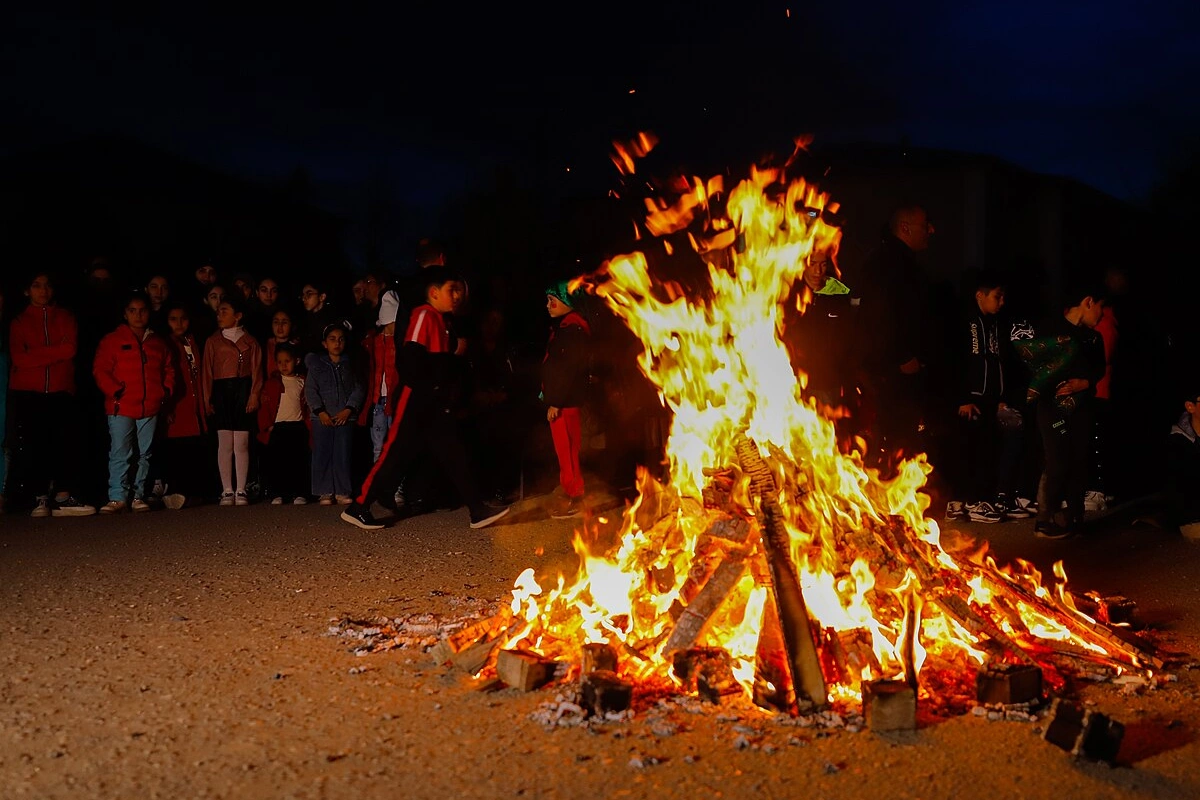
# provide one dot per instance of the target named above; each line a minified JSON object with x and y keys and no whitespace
{"x":692,"y":565}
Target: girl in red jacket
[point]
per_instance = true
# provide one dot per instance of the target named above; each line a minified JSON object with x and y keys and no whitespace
{"x":42,"y":406}
{"x":134,"y":371}
{"x":188,"y":452}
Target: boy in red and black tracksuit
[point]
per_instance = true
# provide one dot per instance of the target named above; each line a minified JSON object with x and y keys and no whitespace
{"x":424,"y":420}
{"x":565,"y":378}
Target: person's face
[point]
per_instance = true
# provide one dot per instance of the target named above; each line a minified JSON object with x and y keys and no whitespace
{"x":816,"y":271}
{"x":178,"y":321}
{"x":990,"y":301}
{"x":556,"y":308}
{"x":244,"y":287}
{"x":214,"y":297}
{"x":1093,"y":310}
{"x":458,"y":293}
{"x":268,"y":292}
{"x":40,"y":291}
{"x":281,"y":326}
{"x":137,"y":315}
{"x":312,"y":299}
{"x":442,"y":297}
{"x":335,"y":342}
{"x":157,"y":289}
{"x":285,"y":363}
{"x":206,"y":275}
{"x":916,"y":231}
{"x":226,"y":316}
{"x":359,"y":290}
{"x":372,"y":288}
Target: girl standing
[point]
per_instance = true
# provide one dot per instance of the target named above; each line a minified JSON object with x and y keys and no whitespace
{"x":335,"y":396}
{"x":282,"y":331}
{"x":231,"y":388}
{"x":283,"y":430}
{"x":187,"y":460}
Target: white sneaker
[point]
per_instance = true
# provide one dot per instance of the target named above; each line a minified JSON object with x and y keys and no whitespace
{"x":70,"y":507}
{"x":276,"y":501}
{"x":113,"y":507}
{"x":226,"y":499}
{"x":344,"y":499}
{"x":174,"y":501}
{"x":300,"y":501}
{"x":139,"y":504}
{"x":240,"y":499}
{"x":954,"y":509}
{"x":326,"y":500}
{"x":42,"y":509}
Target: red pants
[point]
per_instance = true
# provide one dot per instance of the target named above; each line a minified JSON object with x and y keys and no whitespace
{"x":567,"y":434}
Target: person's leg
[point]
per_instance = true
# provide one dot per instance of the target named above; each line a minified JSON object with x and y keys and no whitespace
{"x":225,"y":460}
{"x":147,"y":439}
{"x":1052,"y":487}
{"x":566,"y":430}
{"x":1080,"y":430}
{"x":322,"y":460}
{"x":343,"y":439}
{"x":121,"y":437}
{"x":295,"y":460}
{"x":380,"y":422}
{"x":241,"y":460}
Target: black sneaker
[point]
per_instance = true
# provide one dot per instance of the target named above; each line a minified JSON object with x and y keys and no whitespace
{"x":983,"y":512}
{"x":361,"y":517}
{"x":71,"y":508}
{"x":486,"y":519}
{"x":1050,"y":530}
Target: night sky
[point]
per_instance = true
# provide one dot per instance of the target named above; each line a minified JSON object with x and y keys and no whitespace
{"x":1101,"y":91}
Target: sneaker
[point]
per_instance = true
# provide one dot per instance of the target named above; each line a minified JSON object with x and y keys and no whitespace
{"x":567,"y":510}
{"x":983,"y":512}
{"x":326,"y":500}
{"x":226,"y":499}
{"x":300,"y":501}
{"x":42,"y":509}
{"x":113,"y":507}
{"x":276,"y":501}
{"x":954,"y":509}
{"x":1050,"y":530}
{"x":240,"y":499}
{"x":361,"y":517}
{"x":1095,"y":501}
{"x":1028,"y":505}
{"x":1010,"y":510}
{"x":483,"y":522}
{"x":139,"y":504}
{"x":344,"y":499}
{"x":72,"y":508}
{"x":174,"y":501}
{"x":160,"y":488}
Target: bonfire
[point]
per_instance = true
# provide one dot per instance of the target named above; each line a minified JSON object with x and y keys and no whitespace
{"x":770,"y":549}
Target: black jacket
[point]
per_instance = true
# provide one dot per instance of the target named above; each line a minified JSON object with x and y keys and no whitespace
{"x":566,"y":368}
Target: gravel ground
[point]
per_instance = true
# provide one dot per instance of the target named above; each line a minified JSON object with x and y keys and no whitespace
{"x":190,"y":654}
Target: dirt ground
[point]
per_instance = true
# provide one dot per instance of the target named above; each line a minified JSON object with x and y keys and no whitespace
{"x":191,"y":654}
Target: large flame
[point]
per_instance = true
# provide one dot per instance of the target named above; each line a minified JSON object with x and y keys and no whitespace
{"x":719,"y":363}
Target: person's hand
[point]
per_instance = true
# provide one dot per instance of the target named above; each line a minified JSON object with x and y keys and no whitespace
{"x":252,"y":405}
{"x":341,"y":417}
{"x":461,"y":349}
{"x":1071,"y":386}
{"x":969,"y":410}
{"x":911,"y":367}
{"x":552,"y":413}
{"x":325,"y":419}
{"x":208,"y":409}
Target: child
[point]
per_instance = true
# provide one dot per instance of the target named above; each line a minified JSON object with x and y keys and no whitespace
{"x":187,"y":463}
{"x":43,"y":411}
{"x":283,"y":429}
{"x":335,"y":396}
{"x":133,"y":369}
{"x":283,"y":331}
{"x":424,"y":421}
{"x":380,"y":346}
{"x":565,"y":376}
{"x":232,"y":388}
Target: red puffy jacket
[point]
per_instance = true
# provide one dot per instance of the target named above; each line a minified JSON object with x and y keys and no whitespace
{"x":136,"y":374}
{"x":42,"y":342}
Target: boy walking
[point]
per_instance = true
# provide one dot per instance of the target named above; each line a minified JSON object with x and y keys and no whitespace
{"x":424,"y":417}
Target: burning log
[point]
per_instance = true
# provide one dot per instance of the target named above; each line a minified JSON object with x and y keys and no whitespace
{"x":524,"y":671}
{"x":596,"y":656}
{"x":848,"y":654}
{"x":803,"y":661}
{"x":695,"y":616}
{"x":889,"y":706}
{"x":605,"y":693}
{"x":708,"y":671}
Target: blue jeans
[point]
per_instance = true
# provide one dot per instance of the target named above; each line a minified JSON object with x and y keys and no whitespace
{"x":331,"y":459}
{"x":380,"y":422}
{"x":130,"y":444}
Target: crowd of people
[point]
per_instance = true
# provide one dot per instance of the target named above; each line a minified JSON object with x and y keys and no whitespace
{"x":181,"y":390}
